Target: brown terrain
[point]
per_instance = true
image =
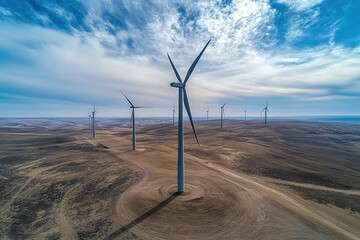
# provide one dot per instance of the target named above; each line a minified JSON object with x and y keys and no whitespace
{"x":291,"y":180}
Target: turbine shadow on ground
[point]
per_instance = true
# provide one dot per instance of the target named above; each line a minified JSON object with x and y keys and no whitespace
{"x":143,"y":216}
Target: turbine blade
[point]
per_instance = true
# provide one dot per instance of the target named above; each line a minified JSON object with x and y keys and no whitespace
{"x":187,"y":107}
{"x":175,"y":71}
{"x":127,"y":98}
{"x":224,"y":105}
{"x":192,"y":67}
{"x":142,"y":107}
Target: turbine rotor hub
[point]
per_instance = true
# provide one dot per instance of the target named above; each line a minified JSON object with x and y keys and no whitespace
{"x":176,"y":85}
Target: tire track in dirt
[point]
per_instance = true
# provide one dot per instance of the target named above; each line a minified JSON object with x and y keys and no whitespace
{"x":6,"y":208}
{"x":287,"y":201}
{"x":16,"y":195}
{"x":313,"y":186}
{"x":111,"y":143}
{"x":66,"y":228}
{"x":152,"y":192}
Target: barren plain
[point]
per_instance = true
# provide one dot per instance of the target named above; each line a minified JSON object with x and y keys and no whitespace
{"x":291,"y":180}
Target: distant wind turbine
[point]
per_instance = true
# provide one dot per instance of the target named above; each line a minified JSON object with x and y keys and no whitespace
{"x":222,"y":111}
{"x":266,"y":111}
{"x":89,"y":121}
{"x":245,"y":114}
{"x":173,"y":111}
{"x":207,"y":115}
{"x":132,"y":120}
{"x":93,"y":123}
{"x":182,"y":93}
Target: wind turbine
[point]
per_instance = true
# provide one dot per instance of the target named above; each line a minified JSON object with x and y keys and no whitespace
{"x":174,"y":115}
{"x":222,"y":114}
{"x":245,"y":114}
{"x":182,"y":93}
{"x":207,"y":115}
{"x":93,"y":123}
{"x":132,"y":120}
{"x":266,"y":111}
{"x":89,"y":121}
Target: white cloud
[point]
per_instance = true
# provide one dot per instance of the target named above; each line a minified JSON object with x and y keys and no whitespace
{"x":235,"y":28}
{"x":300,"y":23}
{"x":88,"y":67}
{"x":329,"y":97}
{"x":5,"y":12}
{"x":238,"y":27}
{"x":300,"y":5}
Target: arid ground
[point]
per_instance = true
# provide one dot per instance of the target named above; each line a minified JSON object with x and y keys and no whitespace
{"x":291,"y":180}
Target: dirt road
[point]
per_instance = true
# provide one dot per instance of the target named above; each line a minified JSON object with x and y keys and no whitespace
{"x":217,"y":202}
{"x":292,"y":180}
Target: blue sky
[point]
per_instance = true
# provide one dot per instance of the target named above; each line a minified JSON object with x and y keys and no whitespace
{"x":57,"y":58}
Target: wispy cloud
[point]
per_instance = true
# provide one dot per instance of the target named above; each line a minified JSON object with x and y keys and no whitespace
{"x":5,"y":12}
{"x":84,"y":52}
{"x":330,"y":97}
{"x":300,"y":5}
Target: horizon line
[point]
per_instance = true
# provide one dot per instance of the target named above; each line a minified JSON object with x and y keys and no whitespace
{"x":170,"y":117}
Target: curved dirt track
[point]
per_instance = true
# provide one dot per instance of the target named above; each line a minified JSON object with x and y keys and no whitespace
{"x":66,"y":228}
{"x":313,"y":186}
{"x":6,"y":208}
{"x":239,"y":184}
{"x":217,"y":203}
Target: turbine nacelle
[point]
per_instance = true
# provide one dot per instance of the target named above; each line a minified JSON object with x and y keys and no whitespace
{"x":176,"y":85}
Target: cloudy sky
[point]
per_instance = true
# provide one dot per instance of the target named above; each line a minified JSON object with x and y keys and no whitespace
{"x":59,"y":57}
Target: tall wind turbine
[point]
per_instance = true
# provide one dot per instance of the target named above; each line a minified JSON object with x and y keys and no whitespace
{"x":93,"y":123}
{"x":182,"y":93}
{"x":207,"y":115}
{"x":133,"y":121}
{"x":89,"y":121}
{"x":222,"y":114}
{"x":245,"y":114}
{"x":266,"y":111}
{"x":173,"y":111}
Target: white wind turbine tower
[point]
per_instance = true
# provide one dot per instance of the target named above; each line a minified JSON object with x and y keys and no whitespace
{"x":173,"y":112}
{"x":93,"y":123}
{"x":181,"y":85}
{"x":266,"y":111}
{"x":222,"y":111}
{"x":207,"y":115}
{"x":132,"y":120}
{"x":89,"y":121}
{"x":245,"y":114}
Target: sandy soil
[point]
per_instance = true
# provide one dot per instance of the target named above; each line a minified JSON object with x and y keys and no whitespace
{"x":292,"y":180}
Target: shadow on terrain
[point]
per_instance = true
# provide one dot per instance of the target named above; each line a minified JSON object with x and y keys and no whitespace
{"x":143,"y":217}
